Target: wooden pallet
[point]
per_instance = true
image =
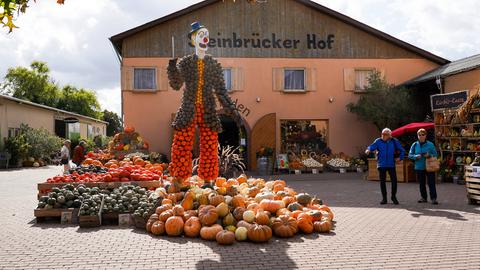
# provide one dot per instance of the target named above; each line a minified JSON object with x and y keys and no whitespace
{"x":44,"y":188}
{"x":62,"y":215}
{"x":472,"y":179}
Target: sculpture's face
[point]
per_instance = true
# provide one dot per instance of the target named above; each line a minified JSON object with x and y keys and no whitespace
{"x":201,"y":39}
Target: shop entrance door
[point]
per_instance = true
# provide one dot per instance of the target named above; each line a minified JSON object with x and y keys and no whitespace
{"x":263,"y":134}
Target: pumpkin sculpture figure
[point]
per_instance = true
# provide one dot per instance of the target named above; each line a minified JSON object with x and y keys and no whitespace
{"x":203,"y":77}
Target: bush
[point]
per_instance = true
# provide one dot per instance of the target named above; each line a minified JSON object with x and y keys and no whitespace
{"x":41,"y":143}
{"x":18,"y":148}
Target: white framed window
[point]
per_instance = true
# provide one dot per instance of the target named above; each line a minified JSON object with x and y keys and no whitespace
{"x":361,"y":78}
{"x":90,"y":131}
{"x":227,"y":76}
{"x":73,"y":130}
{"x":144,"y":79}
{"x":294,"y":79}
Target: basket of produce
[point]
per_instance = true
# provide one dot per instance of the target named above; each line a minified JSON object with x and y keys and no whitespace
{"x":338,"y":164}
{"x":90,"y":213}
{"x":312,"y":164}
{"x":294,"y":163}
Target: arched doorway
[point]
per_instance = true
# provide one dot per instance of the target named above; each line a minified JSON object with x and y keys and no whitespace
{"x":233,"y":135}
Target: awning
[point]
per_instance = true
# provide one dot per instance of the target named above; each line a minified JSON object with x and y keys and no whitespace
{"x":412,"y":127}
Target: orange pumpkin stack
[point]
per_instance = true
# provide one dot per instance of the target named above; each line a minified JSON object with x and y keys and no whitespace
{"x":240,"y":209}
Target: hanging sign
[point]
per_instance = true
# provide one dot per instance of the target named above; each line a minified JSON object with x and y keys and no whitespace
{"x":448,"y":101}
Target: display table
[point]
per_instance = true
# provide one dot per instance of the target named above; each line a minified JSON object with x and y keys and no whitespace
{"x":404,"y":169}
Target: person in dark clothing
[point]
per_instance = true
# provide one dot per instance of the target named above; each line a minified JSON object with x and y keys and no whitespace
{"x":79,"y":153}
{"x":419,"y":152}
{"x":386,"y":146}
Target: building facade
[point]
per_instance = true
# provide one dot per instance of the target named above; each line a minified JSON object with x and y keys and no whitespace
{"x":14,"y":112}
{"x":291,"y":67}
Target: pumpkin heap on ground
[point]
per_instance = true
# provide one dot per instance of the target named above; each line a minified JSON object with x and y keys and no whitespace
{"x":238,"y":209}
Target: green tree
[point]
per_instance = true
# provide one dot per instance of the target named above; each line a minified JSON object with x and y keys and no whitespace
{"x":33,"y":84}
{"x":114,"y":122}
{"x":42,"y":143}
{"x":385,"y":105}
{"x":81,"y":101}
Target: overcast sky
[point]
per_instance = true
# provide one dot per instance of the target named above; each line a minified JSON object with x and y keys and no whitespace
{"x":73,"y":38}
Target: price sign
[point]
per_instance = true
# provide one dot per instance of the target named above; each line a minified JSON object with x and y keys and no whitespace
{"x":298,"y":172}
{"x":66,"y":218}
{"x":124,"y":219}
{"x":315,"y":171}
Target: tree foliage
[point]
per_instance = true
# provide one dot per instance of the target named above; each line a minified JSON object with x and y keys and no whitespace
{"x":11,"y":8}
{"x":385,"y":105}
{"x":35,"y":84}
{"x":42,"y":143}
{"x":114,"y":122}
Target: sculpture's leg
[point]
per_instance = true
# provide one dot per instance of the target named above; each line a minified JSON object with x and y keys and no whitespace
{"x":181,"y":164}
{"x":208,"y":167}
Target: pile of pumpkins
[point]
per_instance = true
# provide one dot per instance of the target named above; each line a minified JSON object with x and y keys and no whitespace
{"x":239,"y":209}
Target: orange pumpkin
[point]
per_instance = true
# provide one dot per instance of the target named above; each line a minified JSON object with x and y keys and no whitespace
{"x":158,"y":228}
{"x":259,"y":233}
{"x":282,"y":212}
{"x":220,"y":181}
{"x":324,"y":226}
{"x":190,"y":213}
{"x":174,"y":226}
{"x":167,"y":201}
{"x":178,"y":210}
{"x":231,"y":182}
{"x":316,"y":215}
{"x":296,"y":213}
{"x":215,"y":199}
{"x":97,"y":163}
{"x":129,"y":129}
{"x":278,"y":187}
{"x":192,"y":227}
{"x":225,"y":237}
{"x":148,"y":227}
{"x":288,"y":200}
{"x":210,"y":232}
{"x":253,"y":207}
{"x":304,"y":215}
{"x":88,"y":161}
{"x":285,"y":226}
{"x":238,"y":213}
{"x":162,"y":209}
{"x":165,"y":215}
{"x":238,"y":201}
{"x":305,"y":225}
{"x":262,"y":218}
{"x":271,"y":206}
{"x":208,"y":215}
{"x":242,"y":179}
{"x":243,"y":223}
{"x":188,"y":200}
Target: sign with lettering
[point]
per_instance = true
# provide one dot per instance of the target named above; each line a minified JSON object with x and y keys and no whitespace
{"x":272,"y":41}
{"x":448,"y":101}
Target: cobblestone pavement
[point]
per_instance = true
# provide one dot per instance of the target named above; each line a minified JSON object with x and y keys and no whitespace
{"x":367,"y":235}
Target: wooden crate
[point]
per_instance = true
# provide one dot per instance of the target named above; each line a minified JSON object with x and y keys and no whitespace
{"x":44,"y":188}
{"x":472,"y":179}
{"x":42,"y":215}
{"x":109,"y":218}
{"x":373,"y":171}
{"x":91,"y":221}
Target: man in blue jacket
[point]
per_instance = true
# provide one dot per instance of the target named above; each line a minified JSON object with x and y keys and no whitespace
{"x":386,"y":147}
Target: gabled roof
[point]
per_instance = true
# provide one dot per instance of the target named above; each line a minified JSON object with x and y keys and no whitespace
{"x":455,"y":67}
{"x":117,"y":40}
{"x":22,"y":101}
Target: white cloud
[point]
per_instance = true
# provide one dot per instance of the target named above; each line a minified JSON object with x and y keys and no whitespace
{"x":73,"y":38}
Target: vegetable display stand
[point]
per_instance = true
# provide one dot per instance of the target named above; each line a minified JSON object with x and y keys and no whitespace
{"x":472,"y":178}
{"x":90,"y":221}
{"x":69,"y":214}
{"x":44,"y":188}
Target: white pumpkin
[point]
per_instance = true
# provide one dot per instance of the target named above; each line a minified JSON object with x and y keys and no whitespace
{"x":264,"y":195}
{"x":241,"y":234}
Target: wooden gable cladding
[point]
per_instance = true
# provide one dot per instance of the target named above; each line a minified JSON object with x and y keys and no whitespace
{"x":276,"y":29}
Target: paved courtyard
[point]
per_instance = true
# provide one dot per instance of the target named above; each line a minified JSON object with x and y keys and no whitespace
{"x":367,"y":235}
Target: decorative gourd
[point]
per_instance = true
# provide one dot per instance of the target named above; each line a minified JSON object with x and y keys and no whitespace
{"x":305,"y":225}
{"x":259,"y":233}
{"x":188,"y":200}
{"x":192,"y":227}
{"x":238,"y":201}
{"x":178,"y":210}
{"x":323,"y":226}
{"x":163,"y":208}
{"x":253,"y":207}
{"x":304,"y":215}
{"x":242,"y":179}
{"x":208,"y":215}
{"x":190,"y":213}
{"x":222,"y":209}
{"x":278,"y":187}
{"x":249,"y":216}
{"x":241,"y":234}
{"x":253,"y":191}
{"x":220,"y":181}
{"x":271,"y":206}
{"x":174,"y":226}
{"x":262,"y":218}
{"x":231,"y":228}
{"x":285,"y":226}
{"x":238,"y":213}
{"x":203,"y":199}
{"x":215,"y":199}
{"x":296,"y":213}
{"x":288,"y":200}
{"x":316,"y":215}
{"x":167,"y":201}
{"x":294,"y":206}
{"x":283,"y":212}
{"x":243,"y":223}
{"x":148,"y":227}
{"x":158,"y":228}
{"x":229,"y":220}
{"x":153,"y":217}
{"x":264,"y":195}
{"x":210,"y":232}
{"x":165,"y":215}
{"x":304,"y":199}
{"x":225,"y":237}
